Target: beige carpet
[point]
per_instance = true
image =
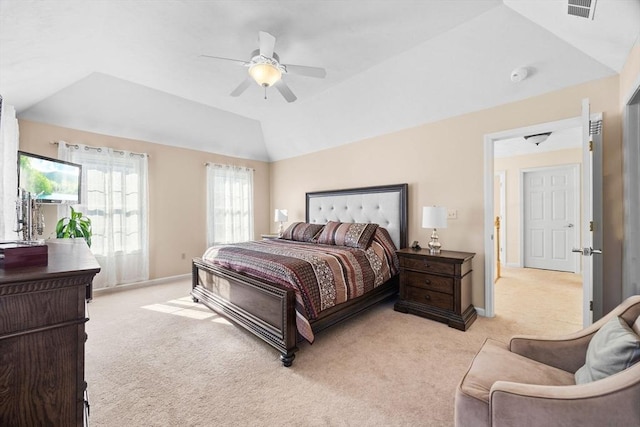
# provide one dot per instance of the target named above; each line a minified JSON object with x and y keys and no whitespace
{"x":155,"y":359}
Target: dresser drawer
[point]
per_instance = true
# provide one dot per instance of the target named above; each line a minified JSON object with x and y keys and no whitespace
{"x":426,"y":265}
{"x":432,"y":298}
{"x":427,"y":281}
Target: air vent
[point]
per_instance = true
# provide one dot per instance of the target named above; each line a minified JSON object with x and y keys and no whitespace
{"x":582,"y":8}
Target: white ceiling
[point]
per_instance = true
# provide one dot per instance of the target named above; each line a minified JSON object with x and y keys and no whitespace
{"x":132,"y":68}
{"x":558,"y":140}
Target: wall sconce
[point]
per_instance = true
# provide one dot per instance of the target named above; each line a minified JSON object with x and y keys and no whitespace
{"x":280,"y":216}
{"x":434,"y":217}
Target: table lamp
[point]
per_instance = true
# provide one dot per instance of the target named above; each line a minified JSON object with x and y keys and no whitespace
{"x":434,"y":217}
{"x":280,"y":216}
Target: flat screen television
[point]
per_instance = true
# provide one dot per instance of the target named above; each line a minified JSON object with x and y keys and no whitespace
{"x":49,"y":180}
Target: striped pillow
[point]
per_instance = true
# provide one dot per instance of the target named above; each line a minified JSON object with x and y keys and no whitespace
{"x":354,"y":235}
{"x":301,"y":232}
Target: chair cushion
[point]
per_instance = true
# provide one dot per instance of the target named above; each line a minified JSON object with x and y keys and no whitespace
{"x":614,"y":348}
{"x":494,"y":362}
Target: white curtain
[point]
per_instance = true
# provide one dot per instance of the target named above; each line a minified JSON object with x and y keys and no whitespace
{"x":8,"y":171}
{"x":229,"y":204}
{"x":114,"y":196}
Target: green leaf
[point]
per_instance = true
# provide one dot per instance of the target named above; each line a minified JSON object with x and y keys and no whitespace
{"x":76,"y":225}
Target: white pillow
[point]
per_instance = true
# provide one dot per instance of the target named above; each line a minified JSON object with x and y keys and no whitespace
{"x":612,"y":349}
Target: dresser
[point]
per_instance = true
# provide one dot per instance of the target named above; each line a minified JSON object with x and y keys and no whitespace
{"x":437,"y":286}
{"x":42,"y":337}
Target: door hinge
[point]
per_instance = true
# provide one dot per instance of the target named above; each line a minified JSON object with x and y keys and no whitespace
{"x":590,"y":145}
{"x":590,"y":305}
{"x":591,"y":226}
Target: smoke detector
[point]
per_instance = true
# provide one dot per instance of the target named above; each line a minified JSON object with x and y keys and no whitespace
{"x":519,"y":74}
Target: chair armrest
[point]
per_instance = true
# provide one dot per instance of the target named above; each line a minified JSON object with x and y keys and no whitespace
{"x":569,"y":352}
{"x":610,"y":401}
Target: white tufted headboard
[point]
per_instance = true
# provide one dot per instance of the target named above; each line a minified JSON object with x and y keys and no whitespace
{"x":383,"y":205}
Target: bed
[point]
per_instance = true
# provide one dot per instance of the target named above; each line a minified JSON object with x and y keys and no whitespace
{"x":270,"y":310}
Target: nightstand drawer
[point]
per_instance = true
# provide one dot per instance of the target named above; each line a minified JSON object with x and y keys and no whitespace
{"x":435,"y":299}
{"x":427,"y":265}
{"x":427,"y":281}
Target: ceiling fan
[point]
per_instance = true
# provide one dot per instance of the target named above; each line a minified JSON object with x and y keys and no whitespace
{"x":266,"y":69}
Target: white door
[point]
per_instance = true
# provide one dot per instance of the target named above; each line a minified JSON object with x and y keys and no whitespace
{"x":550,"y":217}
{"x":591,"y":235}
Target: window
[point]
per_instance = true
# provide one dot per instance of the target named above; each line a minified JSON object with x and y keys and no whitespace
{"x":114,"y":197}
{"x":229,"y":204}
{"x":8,"y":175}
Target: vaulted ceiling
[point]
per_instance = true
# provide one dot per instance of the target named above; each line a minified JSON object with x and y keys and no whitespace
{"x":133,"y":68}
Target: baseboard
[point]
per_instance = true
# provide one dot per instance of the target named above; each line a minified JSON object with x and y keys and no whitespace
{"x":513,"y":265}
{"x":480,"y":311}
{"x":141,"y":284}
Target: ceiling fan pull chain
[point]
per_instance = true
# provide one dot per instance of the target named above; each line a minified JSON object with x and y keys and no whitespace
{"x":265,"y":92}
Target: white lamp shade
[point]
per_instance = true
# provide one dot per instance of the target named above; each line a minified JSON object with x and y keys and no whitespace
{"x":434,"y":217}
{"x":280,"y":215}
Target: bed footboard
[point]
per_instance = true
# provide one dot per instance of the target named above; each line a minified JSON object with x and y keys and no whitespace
{"x":266,"y":310}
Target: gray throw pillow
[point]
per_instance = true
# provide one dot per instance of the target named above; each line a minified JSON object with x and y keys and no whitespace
{"x":612,"y":349}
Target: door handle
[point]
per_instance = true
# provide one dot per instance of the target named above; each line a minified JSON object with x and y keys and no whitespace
{"x":569,"y":226}
{"x":587,"y":251}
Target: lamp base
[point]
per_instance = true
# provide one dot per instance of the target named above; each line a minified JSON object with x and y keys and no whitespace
{"x":280,"y":230}
{"x":434,"y":245}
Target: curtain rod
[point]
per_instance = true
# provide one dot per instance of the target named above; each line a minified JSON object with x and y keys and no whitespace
{"x":220,"y":164}
{"x":99,"y":149}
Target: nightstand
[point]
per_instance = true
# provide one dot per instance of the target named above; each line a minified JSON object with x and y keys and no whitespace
{"x":437,"y":286}
{"x":269,"y":236}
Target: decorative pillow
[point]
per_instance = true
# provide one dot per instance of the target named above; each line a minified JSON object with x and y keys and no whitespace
{"x":382,"y":236}
{"x":612,"y":349}
{"x":302,"y":231}
{"x":354,"y":235}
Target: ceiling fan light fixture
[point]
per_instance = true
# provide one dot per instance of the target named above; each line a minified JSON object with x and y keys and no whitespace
{"x":265,"y":74}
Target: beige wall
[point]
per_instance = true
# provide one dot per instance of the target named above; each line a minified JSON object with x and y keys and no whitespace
{"x":512,"y":166}
{"x":443,"y":163}
{"x":630,"y":73}
{"x":176,"y":192}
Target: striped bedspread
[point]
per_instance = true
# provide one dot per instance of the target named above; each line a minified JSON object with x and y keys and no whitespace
{"x":322,"y":276}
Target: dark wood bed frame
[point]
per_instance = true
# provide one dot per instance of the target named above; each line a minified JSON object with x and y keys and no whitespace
{"x":267,"y":309}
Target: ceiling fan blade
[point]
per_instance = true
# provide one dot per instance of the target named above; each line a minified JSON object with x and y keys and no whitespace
{"x":267,"y":43}
{"x":242,"y":87}
{"x":237,"y":61}
{"x":303,"y":70}
{"x":285,"y":91}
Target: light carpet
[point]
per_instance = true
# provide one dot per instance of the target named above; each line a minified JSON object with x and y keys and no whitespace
{"x":155,"y":359}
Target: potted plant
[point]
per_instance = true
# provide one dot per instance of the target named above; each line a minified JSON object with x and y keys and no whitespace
{"x":77,"y":225}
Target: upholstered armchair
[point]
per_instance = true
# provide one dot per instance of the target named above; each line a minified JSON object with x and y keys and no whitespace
{"x":532,"y":380}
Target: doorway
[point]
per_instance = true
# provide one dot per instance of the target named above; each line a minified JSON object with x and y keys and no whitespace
{"x":631,"y":156}
{"x":520,"y":157}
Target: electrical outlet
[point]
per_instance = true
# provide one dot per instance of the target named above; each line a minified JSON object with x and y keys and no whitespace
{"x":452,"y":214}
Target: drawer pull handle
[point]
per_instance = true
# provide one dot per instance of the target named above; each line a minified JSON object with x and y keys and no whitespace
{"x":427,"y":281}
{"x":427,"y":266}
{"x":427,"y":297}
